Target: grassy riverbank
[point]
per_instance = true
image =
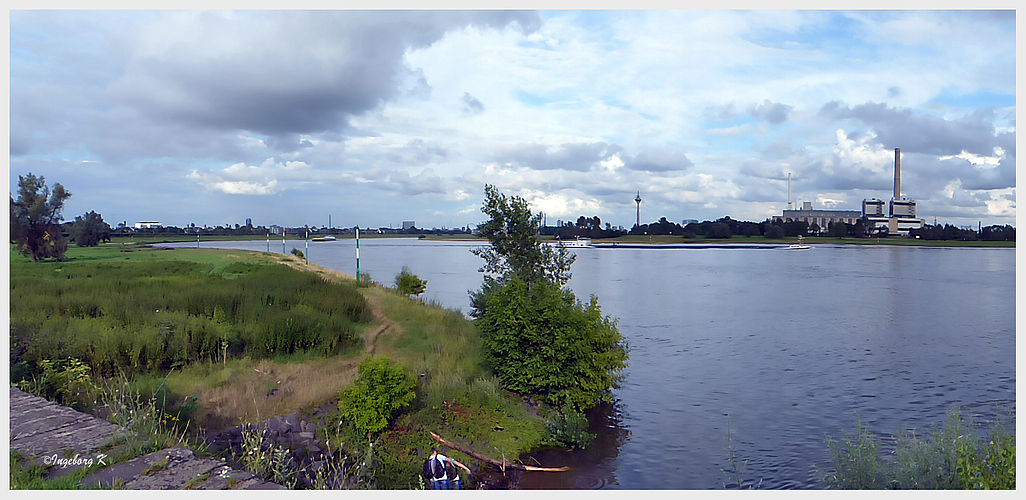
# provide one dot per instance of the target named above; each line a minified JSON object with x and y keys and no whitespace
{"x":193,"y":347}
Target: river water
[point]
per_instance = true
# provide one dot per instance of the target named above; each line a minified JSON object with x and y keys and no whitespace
{"x":788,"y":345}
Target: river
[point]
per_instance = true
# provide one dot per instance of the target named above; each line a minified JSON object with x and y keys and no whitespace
{"x":789,"y":345}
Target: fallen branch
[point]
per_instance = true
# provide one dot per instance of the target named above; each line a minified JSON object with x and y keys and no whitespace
{"x":501,"y":464}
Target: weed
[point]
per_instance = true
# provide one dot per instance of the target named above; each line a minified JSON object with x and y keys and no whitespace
{"x":267,"y":460}
{"x":736,"y":474}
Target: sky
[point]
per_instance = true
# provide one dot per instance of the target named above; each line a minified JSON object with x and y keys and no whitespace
{"x":378,"y":117}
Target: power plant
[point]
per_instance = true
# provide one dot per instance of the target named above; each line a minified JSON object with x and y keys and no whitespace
{"x":899,"y":218}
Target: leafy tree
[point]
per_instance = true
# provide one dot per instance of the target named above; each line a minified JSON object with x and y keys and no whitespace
{"x":774,"y":231}
{"x":516,"y":249}
{"x":380,"y":390}
{"x":408,"y":283}
{"x":838,"y":229}
{"x":541,"y":340}
{"x":719,"y":230}
{"x":538,"y":338}
{"x":89,"y":230}
{"x":35,"y":217}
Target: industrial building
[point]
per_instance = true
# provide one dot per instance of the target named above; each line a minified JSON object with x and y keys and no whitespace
{"x":899,"y":218}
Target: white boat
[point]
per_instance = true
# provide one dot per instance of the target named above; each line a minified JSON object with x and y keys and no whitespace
{"x":799,"y":247}
{"x":323,"y":238}
{"x":575,"y":243}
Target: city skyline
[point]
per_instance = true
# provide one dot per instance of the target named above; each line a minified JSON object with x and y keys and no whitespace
{"x":376,"y":117}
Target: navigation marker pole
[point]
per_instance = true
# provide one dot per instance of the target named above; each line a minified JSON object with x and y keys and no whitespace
{"x":268,"y":242}
{"x":357,"y":255}
{"x":307,"y":254}
{"x":283,"y":232}
{"x":197,"y":240}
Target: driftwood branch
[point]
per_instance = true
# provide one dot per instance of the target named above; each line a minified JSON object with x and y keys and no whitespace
{"x":501,"y":464}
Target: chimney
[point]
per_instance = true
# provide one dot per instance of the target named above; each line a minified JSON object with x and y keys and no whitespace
{"x":789,"y":206}
{"x":897,"y":173}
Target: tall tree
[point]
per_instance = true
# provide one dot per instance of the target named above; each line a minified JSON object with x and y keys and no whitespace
{"x":515,"y":248}
{"x":536,"y":335}
{"x":89,"y":230}
{"x":35,"y":216}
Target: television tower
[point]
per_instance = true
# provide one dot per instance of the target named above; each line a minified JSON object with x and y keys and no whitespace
{"x":638,"y":201}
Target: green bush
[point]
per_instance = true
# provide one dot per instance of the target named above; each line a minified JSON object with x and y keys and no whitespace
{"x":542,"y":341}
{"x":989,"y":466}
{"x":380,"y":390}
{"x":408,"y":283}
{"x":569,"y":429}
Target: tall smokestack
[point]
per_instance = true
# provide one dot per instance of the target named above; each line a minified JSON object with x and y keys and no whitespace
{"x":789,"y":190}
{"x":897,"y":173}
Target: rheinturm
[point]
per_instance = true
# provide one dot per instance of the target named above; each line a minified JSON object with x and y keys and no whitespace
{"x":638,"y":201}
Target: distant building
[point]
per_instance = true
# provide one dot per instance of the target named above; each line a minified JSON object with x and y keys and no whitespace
{"x":148,"y":225}
{"x":249,"y":222}
{"x":821,"y":218}
{"x":409,"y":224}
{"x":898,"y":219}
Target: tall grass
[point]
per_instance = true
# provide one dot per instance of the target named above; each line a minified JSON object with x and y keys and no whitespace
{"x":950,"y":457}
{"x":137,"y":317}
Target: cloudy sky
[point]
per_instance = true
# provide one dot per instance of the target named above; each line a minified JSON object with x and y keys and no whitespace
{"x":287,"y":117}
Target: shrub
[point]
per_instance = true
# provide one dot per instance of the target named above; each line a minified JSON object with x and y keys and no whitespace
{"x":569,"y":429}
{"x":541,"y":340}
{"x":379,"y":391}
{"x":408,"y":283}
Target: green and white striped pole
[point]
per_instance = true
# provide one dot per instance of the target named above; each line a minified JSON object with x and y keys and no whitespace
{"x":268,"y":242}
{"x":307,"y":254}
{"x":357,"y":255}
{"x":283,"y":232}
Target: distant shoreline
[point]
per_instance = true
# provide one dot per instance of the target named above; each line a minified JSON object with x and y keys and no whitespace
{"x":633,"y":240}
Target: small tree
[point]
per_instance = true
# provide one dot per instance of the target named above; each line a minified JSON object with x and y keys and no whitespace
{"x":380,"y":390}
{"x":89,"y":230}
{"x":408,"y":283}
{"x":35,"y":217}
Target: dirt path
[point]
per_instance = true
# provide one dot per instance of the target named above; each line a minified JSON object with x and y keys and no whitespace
{"x":374,"y":302}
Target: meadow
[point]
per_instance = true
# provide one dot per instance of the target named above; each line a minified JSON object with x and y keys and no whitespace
{"x":219,"y":337}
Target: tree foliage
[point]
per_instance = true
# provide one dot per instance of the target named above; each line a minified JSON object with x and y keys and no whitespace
{"x":515,"y":249}
{"x":381,"y":389}
{"x":89,"y":230}
{"x":408,"y":283}
{"x":538,"y":338}
{"x":35,"y":216}
{"x":541,"y":340}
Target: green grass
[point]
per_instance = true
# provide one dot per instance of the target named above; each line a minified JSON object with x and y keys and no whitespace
{"x":154,"y":310}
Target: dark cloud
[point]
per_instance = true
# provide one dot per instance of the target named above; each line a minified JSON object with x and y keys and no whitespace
{"x":572,"y":156}
{"x":921,"y":133}
{"x":772,"y":112}
{"x":658,"y":160}
{"x":283,"y":71}
{"x":471,"y":105}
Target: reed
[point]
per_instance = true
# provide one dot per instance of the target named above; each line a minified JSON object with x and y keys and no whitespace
{"x":146,"y":316}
